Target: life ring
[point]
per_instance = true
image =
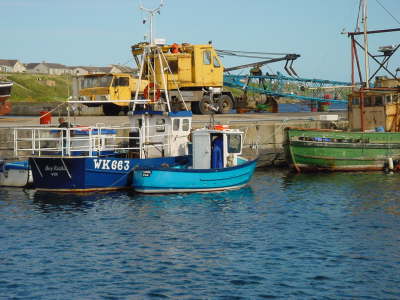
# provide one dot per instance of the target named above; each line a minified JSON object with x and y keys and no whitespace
{"x":152,"y":96}
{"x":221,"y":127}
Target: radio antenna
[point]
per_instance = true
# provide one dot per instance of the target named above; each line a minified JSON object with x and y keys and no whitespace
{"x":151,"y":13}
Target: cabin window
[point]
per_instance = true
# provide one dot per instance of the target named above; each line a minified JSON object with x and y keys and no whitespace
{"x":234,"y":143}
{"x":378,"y":100}
{"x":96,"y":81}
{"x":176,"y":124}
{"x":388,"y":99}
{"x":356,"y":101}
{"x":160,"y":125}
{"x":185,"y":125}
{"x":367,"y":101}
{"x":207,"y":57}
{"x":395,"y":98}
{"x":216,"y":62}
{"x":121,"y":81}
{"x":173,"y":65}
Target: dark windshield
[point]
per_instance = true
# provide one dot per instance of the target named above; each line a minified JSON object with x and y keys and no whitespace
{"x":234,"y":143}
{"x":121,"y":81}
{"x":96,"y":81}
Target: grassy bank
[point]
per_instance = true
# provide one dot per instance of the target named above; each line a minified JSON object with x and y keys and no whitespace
{"x":38,"y":87}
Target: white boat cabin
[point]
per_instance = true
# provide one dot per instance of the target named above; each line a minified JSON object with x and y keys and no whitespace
{"x":162,"y":133}
{"x":216,"y":148}
{"x":150,"y":134}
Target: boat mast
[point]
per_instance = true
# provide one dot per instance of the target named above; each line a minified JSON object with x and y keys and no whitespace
{"x":151,"y":13}
{"x":366,"y":58}
{"x":146,"y":50}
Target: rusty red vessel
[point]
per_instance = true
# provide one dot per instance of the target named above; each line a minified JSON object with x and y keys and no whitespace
{"x":5,"y":92}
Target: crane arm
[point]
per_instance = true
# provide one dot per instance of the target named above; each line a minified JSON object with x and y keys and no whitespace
{"x":288,"y":57}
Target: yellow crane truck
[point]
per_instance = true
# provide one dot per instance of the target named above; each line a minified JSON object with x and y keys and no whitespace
{"x":196,"y":70}
{"x":193,"y":73}
{"x":111,"y":88}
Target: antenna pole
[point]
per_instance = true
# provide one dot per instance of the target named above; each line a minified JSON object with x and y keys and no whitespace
{"x":366,"y":58}
{"x":151,"y":13}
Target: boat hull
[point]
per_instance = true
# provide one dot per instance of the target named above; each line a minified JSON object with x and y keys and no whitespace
{"x":176,"y":180}
{"x":323,"y":150}
{"x":85,"y":174}
{"x":16,"y":174}
{"x":5,"y":93}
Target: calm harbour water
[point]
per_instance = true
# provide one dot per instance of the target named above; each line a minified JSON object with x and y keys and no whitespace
{"x":286,"y":236}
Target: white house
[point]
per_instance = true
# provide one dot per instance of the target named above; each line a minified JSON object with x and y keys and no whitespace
{"x":122,"y":69}
{"x":11,"y":65}
{"x":30,"y":67}
{"x":48,"y":68}
{"x":82,"y":70}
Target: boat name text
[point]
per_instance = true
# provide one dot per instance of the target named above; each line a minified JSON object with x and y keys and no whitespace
{"x":108,"y":164}
{"x":48,"y":168}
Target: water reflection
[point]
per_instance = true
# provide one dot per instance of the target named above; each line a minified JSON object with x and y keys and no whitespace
{"x":219,"y":199}
{"x":48,"y":202}
{"x":362,"y":191}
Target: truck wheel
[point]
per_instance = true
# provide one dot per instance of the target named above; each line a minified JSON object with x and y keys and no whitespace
{"x":110,"y":109}
{"x":204,"y":106}
{"x":225,"y":104}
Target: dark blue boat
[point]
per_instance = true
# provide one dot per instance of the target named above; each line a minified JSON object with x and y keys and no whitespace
{"x":83,"y":159}
{"x":84,"y":174}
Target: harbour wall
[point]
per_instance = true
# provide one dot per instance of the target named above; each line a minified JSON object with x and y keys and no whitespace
{"x":264,"y":133}
{"x":57,"y":108}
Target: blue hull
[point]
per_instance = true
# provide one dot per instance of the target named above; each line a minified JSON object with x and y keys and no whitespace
{"x":176,"y":180}
{"x":83,"y":174}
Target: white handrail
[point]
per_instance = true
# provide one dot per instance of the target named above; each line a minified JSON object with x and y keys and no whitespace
{"x":70,"y":141}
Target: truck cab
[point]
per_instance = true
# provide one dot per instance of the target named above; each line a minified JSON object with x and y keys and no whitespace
{"x":111,"y":88}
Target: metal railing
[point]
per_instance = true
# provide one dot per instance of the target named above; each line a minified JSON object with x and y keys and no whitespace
{"x":87,"y":141}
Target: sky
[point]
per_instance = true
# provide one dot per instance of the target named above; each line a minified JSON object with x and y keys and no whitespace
{"x":100,"y":32}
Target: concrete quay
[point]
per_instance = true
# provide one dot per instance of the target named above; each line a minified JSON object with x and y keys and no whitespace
{"x":264,"y":131}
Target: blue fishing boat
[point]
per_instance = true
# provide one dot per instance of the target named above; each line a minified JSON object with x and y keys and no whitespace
{"x":103,"y":158}
{"x":214,"y":165}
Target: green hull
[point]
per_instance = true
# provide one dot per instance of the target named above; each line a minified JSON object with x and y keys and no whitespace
{"x":326,"y":150}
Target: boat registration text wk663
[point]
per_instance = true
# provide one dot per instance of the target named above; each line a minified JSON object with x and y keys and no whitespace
{"x":108,"y":164}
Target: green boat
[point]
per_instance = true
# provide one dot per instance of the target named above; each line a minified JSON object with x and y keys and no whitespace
{"x":373,"y":139}
{"x":372,"y":144}
{"x":317,"y":150}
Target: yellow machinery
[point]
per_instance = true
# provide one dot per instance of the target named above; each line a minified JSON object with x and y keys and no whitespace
{"x":178,"y":73}
{"x":113,"y":88}
{"x":196,"y":70}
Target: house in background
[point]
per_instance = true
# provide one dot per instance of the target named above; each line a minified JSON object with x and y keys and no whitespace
{"x":48,"y":68}
{"x":122,"y":69}
{"x":79,"y":70}
{"x":11,"y":65}
{"x":30,"y":67}
{"x":83,"y":70}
